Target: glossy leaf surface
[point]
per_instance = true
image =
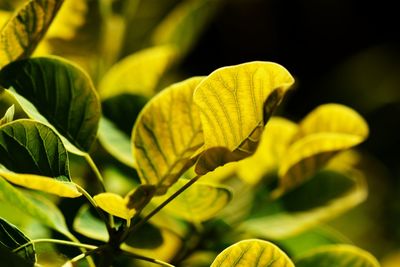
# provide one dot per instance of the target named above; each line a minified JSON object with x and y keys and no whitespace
{"x":11,"y":238}
{"x":34,"y":157}
{"x":235,"y":103}
{"x":61,"y":92}
{"x":166,"y":135}
{"x":22,"y":33}
{"x":8,"y":116}
{"x":252,"y":253}
{"x":338,"y":256}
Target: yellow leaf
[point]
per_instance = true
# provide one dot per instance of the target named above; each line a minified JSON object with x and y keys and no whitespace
{"x":22,"y":33}
{"x":235,"y":103}
{"x":252,"y":253}
{"x":166,"y":135}
{"x":138,"y":73}
{"x":114,"y":204}
{"x":43,"y":183}
{"x":198,"y":203}
{"x":272,"y":148}
{"x":4,"y":16}
{"x":323,"y":133}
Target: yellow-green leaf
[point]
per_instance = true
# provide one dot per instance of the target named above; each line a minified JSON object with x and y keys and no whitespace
{"x":184,"y":24}
{"x":252,"y":253}
{"x":114,"y":204}
{"x":338,"y":256}
{"x":198,"y":203}
{"x":272,"y":149}
{"x":323,"y":133}
{"x":306,"y":206}
{"x":22,"y":33}
{"x":34,"y":156}
{"x":235,"y":103}
{"x":8,"y":116}
{"x":138,"y":73}
{"x":166,"y":135}
{"x":61,"y":92}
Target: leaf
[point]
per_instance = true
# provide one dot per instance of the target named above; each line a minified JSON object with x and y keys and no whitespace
{"x":275,"y":140}
{"x":90,"y":226}
{"x":338,"y":256}
{"x":74,"y":110}
{"x":37,"y":207}
{"x":252,"y":253}
{"x":166,"y":135}
{"x":9,"y":116}
{"x":185,"y":23}
{"x":35,"y":157}
{"x":11,"y":259}
{"x":199,"y":203}
{"x":114,"y":204}
{"x":138,"y":73}
{"x":11,"y":238}
{"x":235,"y":103}
{"x":22,"y":33}
{"x":323,"y":133}
{"x":115,"y":142}
{"x":305,"y":207}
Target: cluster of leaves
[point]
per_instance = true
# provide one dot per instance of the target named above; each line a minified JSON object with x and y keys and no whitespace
{"x":195,"y":147}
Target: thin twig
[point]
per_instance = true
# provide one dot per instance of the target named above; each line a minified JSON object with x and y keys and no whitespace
{"x":55,"y":241}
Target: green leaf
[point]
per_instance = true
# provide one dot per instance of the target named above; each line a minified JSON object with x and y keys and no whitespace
{"x":167,"y":135}
{"x":90,"y":226}
{"x":324,"y":132}
{"x":235,"y":103}
{"x":138,"y":73}
{"x":22,"y":33}
{"x":305,"y":206}
{"x":116,"y":142}
{"x":34,"y":157}
{"x":61,"y":92}
{"x":199,"y":203}
{"x":38,"y":207}
{"x":11,"y":238}
{"x":9,"y":116}
{"x":252,"y":253}
{"x":185,"y":23}
{"x":338,"y":256}
{"x":11,"y":259}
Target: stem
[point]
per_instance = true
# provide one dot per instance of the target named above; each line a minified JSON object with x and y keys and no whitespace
{"x":140,"y":257}
{"x":76,"y":240}
{"x":94,"y":204}
{"x":100,"y":179}
{"x":55,"y":241}
{"x":95,"y":170}
{"x":84,"y":255}
{"x":162,"y":205}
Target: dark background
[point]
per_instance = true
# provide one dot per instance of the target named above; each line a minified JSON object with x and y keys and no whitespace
{"x":342,"y":51}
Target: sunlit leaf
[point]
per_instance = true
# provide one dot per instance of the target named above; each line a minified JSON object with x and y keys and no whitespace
{"x":166,"y":135}
{"x":61,"y":92}
{"x":235,"y":103}
{"x":138,"y":73}
{"x":114,"y":204}
{"x":22,"y":33}
{"x":4,"y":16}
{"x":70,"y":17}
{"x":11,"y":238}
{"x":305,"y":206}
{"x":272,"y":149}
{"x":185,"y":23}
{"x":198,"y":203}
{"x":323,"y":133}
{"x":35,"y":206}
{"x":116,"y":142}
{"x":338,"y":256}
{"x":199,"y":259}
{"x":34,"y":157}
{"x":9,"y":116}
{"x":252,"y":253}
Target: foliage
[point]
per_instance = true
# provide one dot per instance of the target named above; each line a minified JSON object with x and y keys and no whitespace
{"x":201,"y":166}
